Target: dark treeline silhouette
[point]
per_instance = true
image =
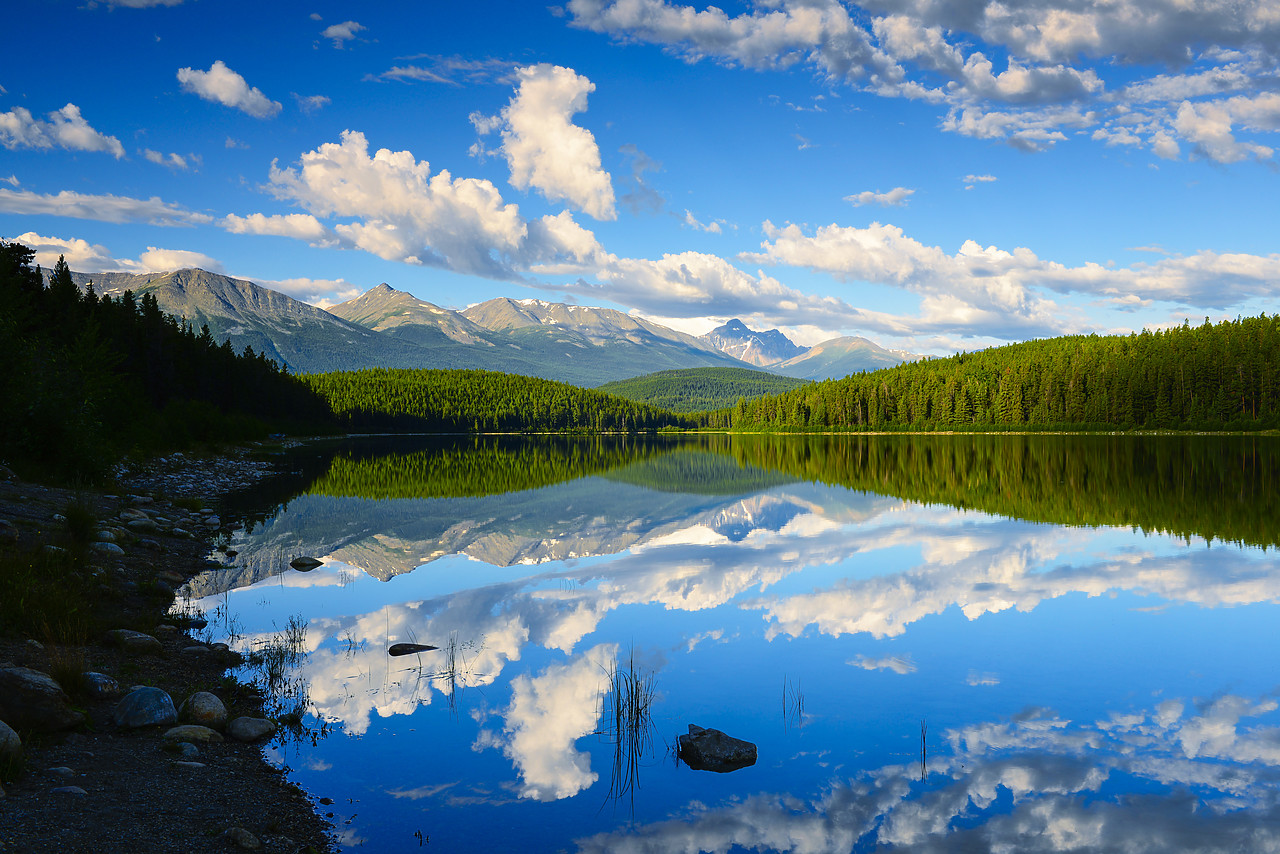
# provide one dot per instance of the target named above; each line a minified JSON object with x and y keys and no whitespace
{"x":1223,"y":376}
{"x":88,"y":378}
{"x":479,"y":401}
{"x":700,"y":389}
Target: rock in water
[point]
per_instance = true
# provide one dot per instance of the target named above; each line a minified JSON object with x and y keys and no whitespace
{"x":145,"y":707}
{"x":408,"y":648}
{"x":31,"y":700}
{"x":251,"y":729}
{"x":711,"y":750}
{"x":305,"y":564}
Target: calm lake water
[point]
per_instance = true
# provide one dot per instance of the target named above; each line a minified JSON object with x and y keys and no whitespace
{"x":992,"y":643}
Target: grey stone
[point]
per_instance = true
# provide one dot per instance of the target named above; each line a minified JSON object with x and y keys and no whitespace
{"x":251,"y":729}
{"x":711,"y":750}
{"x":192,"y":733}
{"x":180,"y":532}
{"x":70,"y":790}
{"x":10,"y":744}
{"x":145,"y":707}
{"x":188,"y":763}
{"x":31,"y":700}
{"x":100,"y":686}
{"x":105,"y":536}
{"x":205,"y":709}
{"x":62,"y":771}
{"x":129,"y":514}
{"x":142,"y":526}
{"x":135,"y":643}
{"x":106,"y":549}
{"x":241,"y":838}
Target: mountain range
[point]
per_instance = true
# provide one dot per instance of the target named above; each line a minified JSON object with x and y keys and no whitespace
{"x":385,"y":327}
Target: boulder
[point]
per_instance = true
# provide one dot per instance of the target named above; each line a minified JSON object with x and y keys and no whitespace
{"x":305,"y":564}
{"x":192,"y":734}
{"x":99,"y":686}
{"x":251,"y":729}
{"x":135,"y":643}
{"x":106,"y":549}
{"x":10,"y":745}
{"x":31,"y":700}
{"x":205,"y":709}
{"x":711,"y":750}
{"x":145,"y":707}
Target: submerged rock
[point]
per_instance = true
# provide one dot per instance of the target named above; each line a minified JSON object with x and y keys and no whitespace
{"x":408,"y":648}
{"x":305,"y":564}
{"x":711,"y":750}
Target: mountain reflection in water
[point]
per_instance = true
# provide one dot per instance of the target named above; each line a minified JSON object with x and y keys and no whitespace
{"x":1086,"y":624}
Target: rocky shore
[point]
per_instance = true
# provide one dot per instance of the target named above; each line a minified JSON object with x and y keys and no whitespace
{"x":151,"y":747}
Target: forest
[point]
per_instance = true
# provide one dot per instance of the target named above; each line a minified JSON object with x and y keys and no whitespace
{"x":700,"y":389}
{"x":89,"y":379}
{"x":1223,"y":376}
{"x":461,"y":401}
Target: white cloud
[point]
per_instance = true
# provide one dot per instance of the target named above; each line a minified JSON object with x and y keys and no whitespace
{"x":311,"y":103}
{"x":542,"y":145}
{"x":223,"y":86}
{"x":299,"y":226}
{"x":173,"y":161}
{"x":104,"y":208}
{"x":85,"y":257}
{"x":342,"y":33}
{"x":895,"y":198}
{"x":65,"y":128}
{"x":714,"y":227}
{"x":896,"y":663}
{"x":322,"y":293}
{"x":450,"y":70}
{"x":397,"y":209}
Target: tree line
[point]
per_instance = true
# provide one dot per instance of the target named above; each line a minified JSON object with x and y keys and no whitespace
{"x":1223,"y":376}
{"x":434,"y":400}
{"x":90,"y":378}
{"x":700,"y":389}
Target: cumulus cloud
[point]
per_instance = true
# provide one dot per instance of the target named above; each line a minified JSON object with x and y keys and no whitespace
{"x":342,"y":33}
{"x":542,"y":145}
{"x":104,"y":208}
{"x":1055,"y":60}
{"x":311,"y":103}
{"x":223,"y":86}
{"x":173,"y":161}
{"x":394,"y":207}
{"x":65,"y":128}
{"x":895,"y":198}
{"x":85,"y":257}
{"x":299,"y":226}
{"x":1003,"y":289}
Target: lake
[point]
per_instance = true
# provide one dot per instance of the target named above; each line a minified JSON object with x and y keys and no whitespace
{"x":937,"y":643}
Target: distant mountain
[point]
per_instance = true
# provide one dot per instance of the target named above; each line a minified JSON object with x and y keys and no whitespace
{"x":385,"y":309}
{"x":305,"y":338}
{"x":762,"y":349}
{"x":840,"y":357}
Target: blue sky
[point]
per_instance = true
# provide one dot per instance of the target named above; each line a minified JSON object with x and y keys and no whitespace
{"x":933,"y":175}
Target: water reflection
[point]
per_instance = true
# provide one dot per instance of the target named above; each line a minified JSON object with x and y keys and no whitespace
{"x":736,"y":566}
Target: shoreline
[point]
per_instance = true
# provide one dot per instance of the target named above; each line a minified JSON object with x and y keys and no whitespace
{"x":98,"y":787}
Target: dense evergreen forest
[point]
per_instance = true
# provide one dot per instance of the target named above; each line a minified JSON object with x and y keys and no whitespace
{"x":87,"y":379}
{"x":700,"y":389}
{"x":479,"y":401}
{"x":1210,"y":377}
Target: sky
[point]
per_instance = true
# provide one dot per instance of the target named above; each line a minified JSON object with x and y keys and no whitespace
{"x":935,"y":175}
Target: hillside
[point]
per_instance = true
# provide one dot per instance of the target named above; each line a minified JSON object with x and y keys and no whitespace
{"x":700,"y":389}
